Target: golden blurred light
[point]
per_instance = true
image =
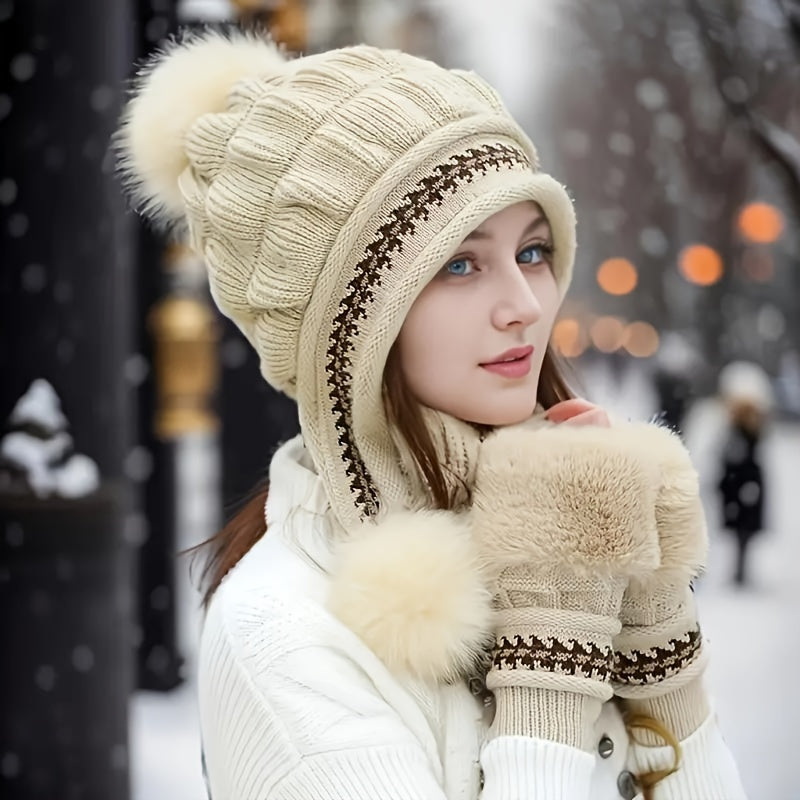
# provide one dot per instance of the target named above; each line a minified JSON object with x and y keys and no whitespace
{"x":760,"y":222}
{"x":700,"y":264}
{"x":607,"y":334}
{"x":617,"y":276}
{"x":569,"y":338}
{"x":284,"y":20}
{"x":757,"y":264}
{"x":641,"y":339}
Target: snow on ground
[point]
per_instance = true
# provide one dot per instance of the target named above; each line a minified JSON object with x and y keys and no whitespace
{"x":754,"y":652}
{"x":165,"y":746}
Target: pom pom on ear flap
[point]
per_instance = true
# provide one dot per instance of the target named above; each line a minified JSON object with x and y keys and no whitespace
{"x":413,"y":589}
{"x":188,"y":78}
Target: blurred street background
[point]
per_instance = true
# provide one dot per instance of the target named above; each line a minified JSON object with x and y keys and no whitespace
{"x":133,"y":419}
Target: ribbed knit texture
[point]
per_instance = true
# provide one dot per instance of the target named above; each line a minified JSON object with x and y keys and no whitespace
{"x":294,"y":706}
{"x":518,"y":768}
{"x":683,"y":709}
{"x":558,"y":716}
{"x":401,"y":774}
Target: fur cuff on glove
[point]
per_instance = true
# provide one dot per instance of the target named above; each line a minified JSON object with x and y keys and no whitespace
{"x":582,"y":497}
{"x":680,"y":519}
{"x":412,"y":588}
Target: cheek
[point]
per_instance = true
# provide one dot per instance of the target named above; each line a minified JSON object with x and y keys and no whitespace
{"x":546,"y":292}
{"x":432,"y":347}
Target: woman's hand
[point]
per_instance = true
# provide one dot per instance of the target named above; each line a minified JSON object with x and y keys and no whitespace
{"x":559,"y":538}
{"x":578,"y":412}
{"x":660,"y":655}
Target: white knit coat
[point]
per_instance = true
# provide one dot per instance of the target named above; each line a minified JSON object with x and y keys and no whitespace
{"x":294,"y":706}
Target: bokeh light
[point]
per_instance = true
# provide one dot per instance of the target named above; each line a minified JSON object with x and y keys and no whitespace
{"x":641,"y":339}
{"x":617,"y":276}
{"x":569,"y":338}
{"x":700,"y":264}
{"x":607,"y":334}
{"x":761,"y":223}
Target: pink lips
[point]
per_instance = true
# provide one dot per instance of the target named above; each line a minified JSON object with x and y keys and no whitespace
{"x":514,"y":363}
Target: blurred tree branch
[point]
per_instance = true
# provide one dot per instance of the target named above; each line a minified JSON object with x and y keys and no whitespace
{"x":791,"y":8}
{"x":671,"y":115}
{"x":774,"y":141}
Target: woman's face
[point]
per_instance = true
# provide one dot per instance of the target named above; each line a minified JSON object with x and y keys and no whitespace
{"x":473,"y":342}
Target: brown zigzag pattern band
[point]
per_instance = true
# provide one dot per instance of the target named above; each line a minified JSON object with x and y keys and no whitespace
{"x":640,"y":667}
{"x":548,"y":654}
{"x":432,"y":190}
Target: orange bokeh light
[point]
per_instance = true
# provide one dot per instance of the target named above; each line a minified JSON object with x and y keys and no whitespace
{"x":641,"y":339}
{"x":617,"y":276}
{"x":700,"y":264}
{"x":607,"y":334}
{"x":569,"y":338}
{"x":760,"y":222}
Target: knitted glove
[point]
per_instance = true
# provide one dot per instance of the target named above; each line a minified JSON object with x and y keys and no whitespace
{"x":563,"y":517}
{"x":659,"y":655}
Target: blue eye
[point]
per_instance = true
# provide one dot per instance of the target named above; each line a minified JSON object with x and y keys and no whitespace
{"x":535,"y":254}
{"x":461,"y":266}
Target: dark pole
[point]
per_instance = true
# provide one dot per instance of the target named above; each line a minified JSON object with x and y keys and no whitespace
{"x":65,"y":316}
{"x":159,"y":664}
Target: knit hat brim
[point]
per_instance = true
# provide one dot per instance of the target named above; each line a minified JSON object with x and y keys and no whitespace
{"x":341,"y":408}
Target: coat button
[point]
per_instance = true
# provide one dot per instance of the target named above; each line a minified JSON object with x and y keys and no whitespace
{"x":605,"y":747}
{"x":626,"y":784}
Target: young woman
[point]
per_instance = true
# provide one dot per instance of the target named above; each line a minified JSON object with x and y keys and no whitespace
{"x":471,"y":584}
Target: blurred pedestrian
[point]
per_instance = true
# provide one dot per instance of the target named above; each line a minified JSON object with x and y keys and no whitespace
{"x":747,"y":396}
{"x":472,"y":584}
{"x":673,"y":378}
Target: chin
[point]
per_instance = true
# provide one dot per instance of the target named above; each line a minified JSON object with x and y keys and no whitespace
{"x":500,"y":415}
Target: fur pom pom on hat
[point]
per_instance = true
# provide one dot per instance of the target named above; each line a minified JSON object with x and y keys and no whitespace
{"x":186,"y":80}
{"x":323,"y":193}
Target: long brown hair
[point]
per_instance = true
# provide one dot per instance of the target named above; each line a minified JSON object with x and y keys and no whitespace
{"x":223,"y":550}
{"x":403,"y":411}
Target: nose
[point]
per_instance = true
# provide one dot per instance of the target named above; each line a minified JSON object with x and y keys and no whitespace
{"x":515,"y":302}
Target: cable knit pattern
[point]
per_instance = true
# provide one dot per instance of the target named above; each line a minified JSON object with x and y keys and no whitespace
{"x":323,"y":193}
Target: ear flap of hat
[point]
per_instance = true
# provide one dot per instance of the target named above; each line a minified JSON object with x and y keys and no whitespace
{"x":188,"y":78}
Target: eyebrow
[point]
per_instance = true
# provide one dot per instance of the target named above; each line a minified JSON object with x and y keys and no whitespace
{"x":478,"y":234}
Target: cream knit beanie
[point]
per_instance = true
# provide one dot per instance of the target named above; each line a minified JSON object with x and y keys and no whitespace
{"x":323,"y":193}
